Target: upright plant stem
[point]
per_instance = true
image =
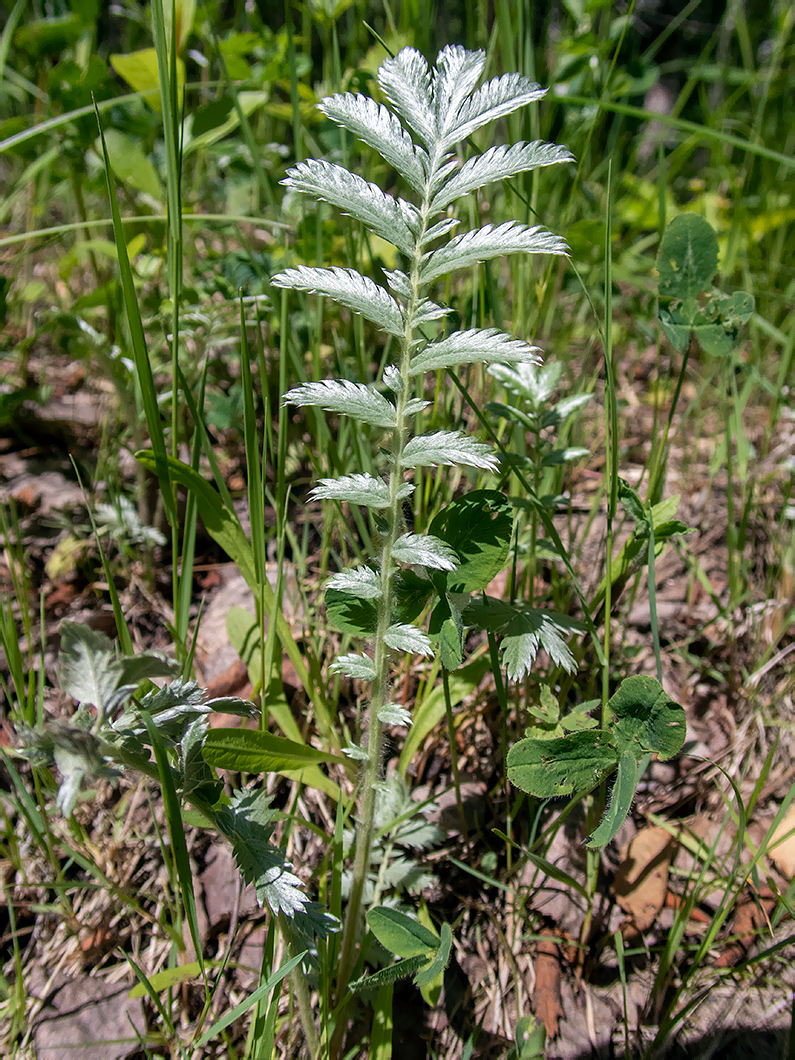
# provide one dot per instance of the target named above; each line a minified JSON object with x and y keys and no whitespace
{"x":380,"y":693}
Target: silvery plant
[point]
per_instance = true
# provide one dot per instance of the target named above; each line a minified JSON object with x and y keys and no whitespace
{"x":422,"y":130}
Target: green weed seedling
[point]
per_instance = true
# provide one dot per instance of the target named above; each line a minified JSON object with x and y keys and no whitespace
{"x":421,"y":131}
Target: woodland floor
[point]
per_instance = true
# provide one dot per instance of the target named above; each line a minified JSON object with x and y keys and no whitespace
{"x":77,"y":980}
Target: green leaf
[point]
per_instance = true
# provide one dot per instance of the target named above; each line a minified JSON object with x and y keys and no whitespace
{"x":425,"y":976}
{"x":478,"y":527}
{"x":549,"y":768}
{"x":688,"y":257}
{"x":401,"y":934}
{"x":620,"y":801}
{"x":390,"y":974}
{"x":451,"y":638}
{"x":647,"y":719}
{"x":170,"y":977}
{"x":139,"y":70}
{"x":252,"y":751}
{"x":130,"y":164}
{"x":350,"y":614}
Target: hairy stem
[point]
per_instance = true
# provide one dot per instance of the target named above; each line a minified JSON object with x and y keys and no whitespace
{"x":380,"y":693}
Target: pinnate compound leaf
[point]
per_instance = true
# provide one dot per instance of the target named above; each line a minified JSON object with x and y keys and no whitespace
{"x":85,"y":664}
{"x":349,"y":288}
{"x":382,"y":131}
{"x":647,"y":719}
{"x":485,"y":346}
{"x":455,"y":75}
{"x":498,"y":163}
{"x":356,"y":666}
{"x":498,"y":97}
{"x":405,"y":80}
{"x":688,"y":257}
{"x":401,"y":934}
{"x":447,"y":447}
{"x":490,"y":241}
{"x":426,"y":550}
{"x":248,"y":822}
{"x":393,"y":219}
{"x":407,"y":638}
{"x":549,"y":768}
{"x":358,"y":489}
{"x":360,"y":581}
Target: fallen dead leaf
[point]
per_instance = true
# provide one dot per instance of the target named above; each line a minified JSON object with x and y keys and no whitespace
{"x":546,"y":996}
{"x":782,"y":844}
{"x":751,"y":914}
{"x":641,"y":882}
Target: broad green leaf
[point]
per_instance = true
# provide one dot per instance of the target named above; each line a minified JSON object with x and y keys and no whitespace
{"x":253,"y":751}
{"x":139,"y":70}
{"x":549,"y":768}
{"x":451,"y":639}
{"x":688,"y":257}
{"x":478,"y":526}
{"x":130,"y":163}
{"x":620,"y":801}
{"x":350,"y":614}
{"x":401,"y":934}
{"x":647,"y":719}
{"x":390,"y":974}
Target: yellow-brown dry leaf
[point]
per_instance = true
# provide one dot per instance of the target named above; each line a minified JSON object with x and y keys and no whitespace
{"x":783,"y":853}
{"x":546,"y":996}
{"x":641,"y":882}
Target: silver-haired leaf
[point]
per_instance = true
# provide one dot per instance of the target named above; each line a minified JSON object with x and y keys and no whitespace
{"x":359,"y":489}
{"x":465,"y":347}
{"x":399,"y":282}
{"x":425,"y":549}
{"x":361,"y":667}
{"x":534,"y":382}
{"x":349,"y":399}
{"x":394,"y":715}
{"x":447,"y":447}
{"x":349,"y":288}
{"x":405,"y":80}
{"x":359,"y":754}
{"x":441,"y":228}
{"x":496,"y":98}
{"x":362,"y":582}
{"x":407,"y":638}
{"x":393,"y":219}
{"x":426,"y":311}
{"x":498,"y":163}
{"x":415,"y":405}
{"x":489,"y":242}
{"x":393,"y":379}
{"x":382,"y":131}
{"x":455,"y":76}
